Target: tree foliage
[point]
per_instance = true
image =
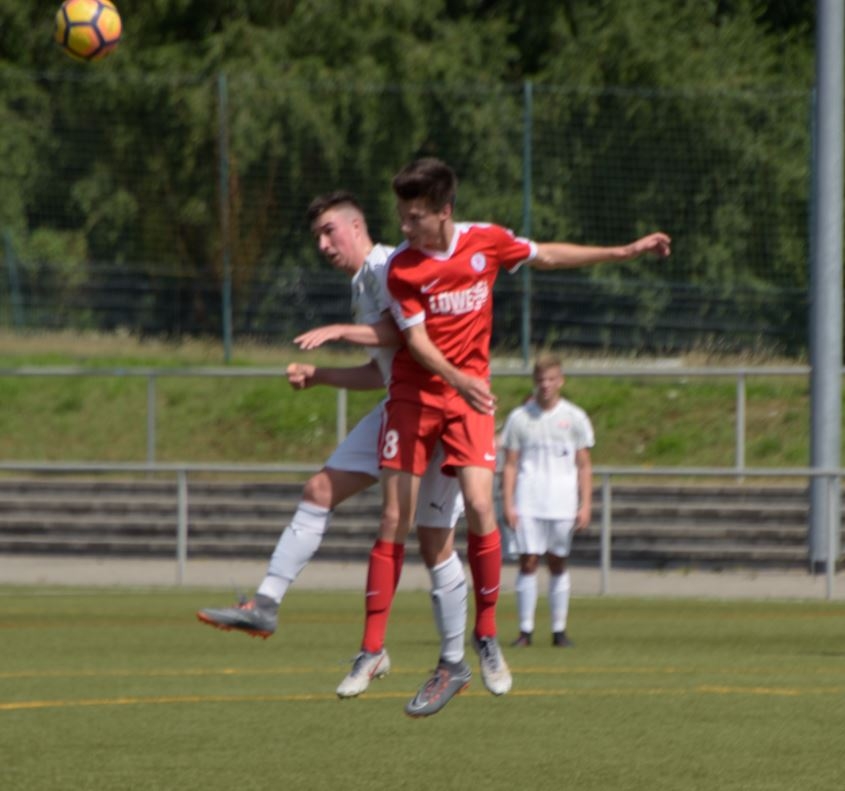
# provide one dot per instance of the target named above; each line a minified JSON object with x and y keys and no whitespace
{"x":121,"y":161}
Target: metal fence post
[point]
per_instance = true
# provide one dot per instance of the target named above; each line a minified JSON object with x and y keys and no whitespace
{"x":340,"y":419}
{"x":740,"y":422}
{"x":182,"y":527}
{"x":832,"y":521}
{"x":826,"y":315}
{"x":527,"y":189}
{"x":151,"y":419}
{"x":605,"y":534}
{"x":225,"y":242}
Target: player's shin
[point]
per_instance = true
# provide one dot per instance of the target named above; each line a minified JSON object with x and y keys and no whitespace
{"x":560,"y":588}
{"x":484,"y":554}
{"x":385,"y":566}
{"x":449,"y":604}
{"x":295,"y":548}
{"x":526,"y":601}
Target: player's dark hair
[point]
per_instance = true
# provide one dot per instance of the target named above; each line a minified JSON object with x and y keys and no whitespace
{"x":428,"y":178}
{"x":330,"y":200}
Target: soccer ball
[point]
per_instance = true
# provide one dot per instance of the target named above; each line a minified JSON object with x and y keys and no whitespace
{"x":87,"y":29}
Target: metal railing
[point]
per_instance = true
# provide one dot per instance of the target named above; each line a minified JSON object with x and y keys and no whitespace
{"x":604,"y":474}
{"x":740,"y":375}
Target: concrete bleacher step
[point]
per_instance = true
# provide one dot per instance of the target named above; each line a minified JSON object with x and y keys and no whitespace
{"x":716,"y":511}
{"x":680,"y":553}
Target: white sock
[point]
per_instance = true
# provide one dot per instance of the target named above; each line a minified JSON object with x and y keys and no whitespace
{"x":296,"y":546}
{"x":449,"y":603}
{"x":560,"y":586}
{"x":526,"y":601}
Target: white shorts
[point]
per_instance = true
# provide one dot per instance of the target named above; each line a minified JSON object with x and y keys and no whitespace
{"x":440,"y":503}
{"x":539,"y":536}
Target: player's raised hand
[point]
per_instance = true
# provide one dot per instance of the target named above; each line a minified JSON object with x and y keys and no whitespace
{"x":300,"y":375}
{"x":658,"y":243}
{"x":315,"y":338}
{"x":380,"y":333}
{"x":476,"y":392}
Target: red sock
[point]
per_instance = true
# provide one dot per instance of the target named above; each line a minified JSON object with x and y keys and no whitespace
{"x":382,"y":578}
{"x":484,"y":554}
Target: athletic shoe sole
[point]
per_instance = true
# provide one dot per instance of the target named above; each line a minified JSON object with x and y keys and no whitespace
{"x":359,"y":682}
{"x":227,"y":627}
{"x":495,"y":675}
{"x":437,"y":698}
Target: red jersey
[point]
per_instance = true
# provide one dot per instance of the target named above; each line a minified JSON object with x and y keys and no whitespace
{"x":452,"y":292}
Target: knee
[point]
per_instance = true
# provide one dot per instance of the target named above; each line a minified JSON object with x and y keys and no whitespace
{"x":318,"y":490}
{"x":388,"y":529}
{"x":557,"y":565}
{"x":436,"y":545}
{"x":528,"y":564}
{"x":480,"y":506}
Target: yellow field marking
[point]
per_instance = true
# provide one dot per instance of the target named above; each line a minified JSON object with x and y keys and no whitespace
{"x":188,"y":672}
{"x":769,"y":691}
{"x":553,"y":670}
{"x":30,"y":705}
{"x":170,"y":699}
{"x":838,"y":669}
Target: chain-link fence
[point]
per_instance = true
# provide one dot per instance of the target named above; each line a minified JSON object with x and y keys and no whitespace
{"x":175,"y":206}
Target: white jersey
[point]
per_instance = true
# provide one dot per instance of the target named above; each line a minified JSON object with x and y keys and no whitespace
{"x":547,"y":441}
{"x":370,"y":299}
{"x":440,"y":503}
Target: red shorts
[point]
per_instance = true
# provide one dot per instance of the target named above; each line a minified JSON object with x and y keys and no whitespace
{"x":411,"y":430}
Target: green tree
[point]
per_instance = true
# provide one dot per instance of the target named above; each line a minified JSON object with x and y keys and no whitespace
{"x":688,"y":115}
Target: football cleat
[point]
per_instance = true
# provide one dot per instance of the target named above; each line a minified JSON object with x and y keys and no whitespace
{"x":257,"y":617}
{"x":449,"y":679}
{"x":365,"y":667}
{"x":560,"y":640}
{"x":494,"y":670}
{"x":523,"y":641}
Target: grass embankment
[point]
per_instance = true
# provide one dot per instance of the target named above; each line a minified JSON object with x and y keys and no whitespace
{"x":639,"y":421}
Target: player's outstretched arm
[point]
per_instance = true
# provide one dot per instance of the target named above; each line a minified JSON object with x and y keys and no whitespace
{"x":565,"y":255}
{"x":301,"y":376}
{"x":382,"y":333}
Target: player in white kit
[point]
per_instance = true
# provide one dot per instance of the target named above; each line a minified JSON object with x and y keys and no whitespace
{"x":546,"y":493}
{"x":339,"y":228}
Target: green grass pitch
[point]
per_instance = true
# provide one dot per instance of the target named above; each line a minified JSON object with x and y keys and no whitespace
{"x":124,"y":690}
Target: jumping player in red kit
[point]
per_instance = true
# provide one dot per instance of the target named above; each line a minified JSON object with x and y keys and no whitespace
{"x":441,"y":282}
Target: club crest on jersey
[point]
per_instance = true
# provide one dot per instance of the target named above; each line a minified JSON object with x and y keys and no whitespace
{"x":478,"y":262}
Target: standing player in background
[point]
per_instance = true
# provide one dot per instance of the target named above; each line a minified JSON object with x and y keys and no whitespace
{"x":441,"y":279}
{"x":547,"y":493}
{"x":340,"y":230}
